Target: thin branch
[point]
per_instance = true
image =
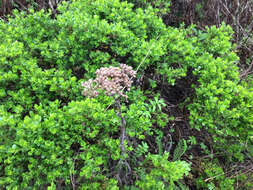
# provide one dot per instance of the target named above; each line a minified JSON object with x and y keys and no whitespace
{"x":20,"y":4}
{"x":122,"y":162}
{"x":169,"y":145}
{"x":224,"y":173}
{"x":245,"y":73}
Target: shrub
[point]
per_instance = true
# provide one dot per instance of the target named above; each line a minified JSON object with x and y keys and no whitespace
{"x":222,"y":105}
{"x":73,"y":144}
{"x":161,"y":6}
{"x":74,"y":141}
{"x":161,"y":176}
{"x":52,"y":144}
{"x":214,"y":177}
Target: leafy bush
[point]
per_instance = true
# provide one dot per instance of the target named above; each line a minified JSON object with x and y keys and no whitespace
{"x":215,"y":177}
{"x":161,"y":6}
{"x":161,"y":177}
{"x":53,"y":143}
{"x":54,"y":137}
{"x":222,"y":105}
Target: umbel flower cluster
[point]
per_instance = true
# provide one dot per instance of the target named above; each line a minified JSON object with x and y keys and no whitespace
{"x":111,"y":80}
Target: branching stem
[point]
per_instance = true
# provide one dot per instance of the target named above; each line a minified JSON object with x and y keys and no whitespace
{"x":122,"y":174}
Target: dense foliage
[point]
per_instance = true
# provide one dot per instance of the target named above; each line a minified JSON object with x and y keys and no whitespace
{"x":54,"y":137}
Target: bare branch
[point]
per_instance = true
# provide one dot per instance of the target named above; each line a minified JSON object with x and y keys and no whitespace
{"x":248,"y":71}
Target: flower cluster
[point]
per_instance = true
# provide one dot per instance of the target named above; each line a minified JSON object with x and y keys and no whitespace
{"x":111,"y":80}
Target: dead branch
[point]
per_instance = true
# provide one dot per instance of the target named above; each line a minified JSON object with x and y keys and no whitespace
{"x":247,"y":71}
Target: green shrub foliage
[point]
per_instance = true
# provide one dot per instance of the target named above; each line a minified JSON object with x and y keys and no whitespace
{"x":160,"y":6}
{"x":161,"y":177}
{"x":53,"y":137}
{"x":215,"y":177}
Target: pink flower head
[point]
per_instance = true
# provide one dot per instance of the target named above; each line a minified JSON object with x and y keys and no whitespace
{"x":112,"y":80}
